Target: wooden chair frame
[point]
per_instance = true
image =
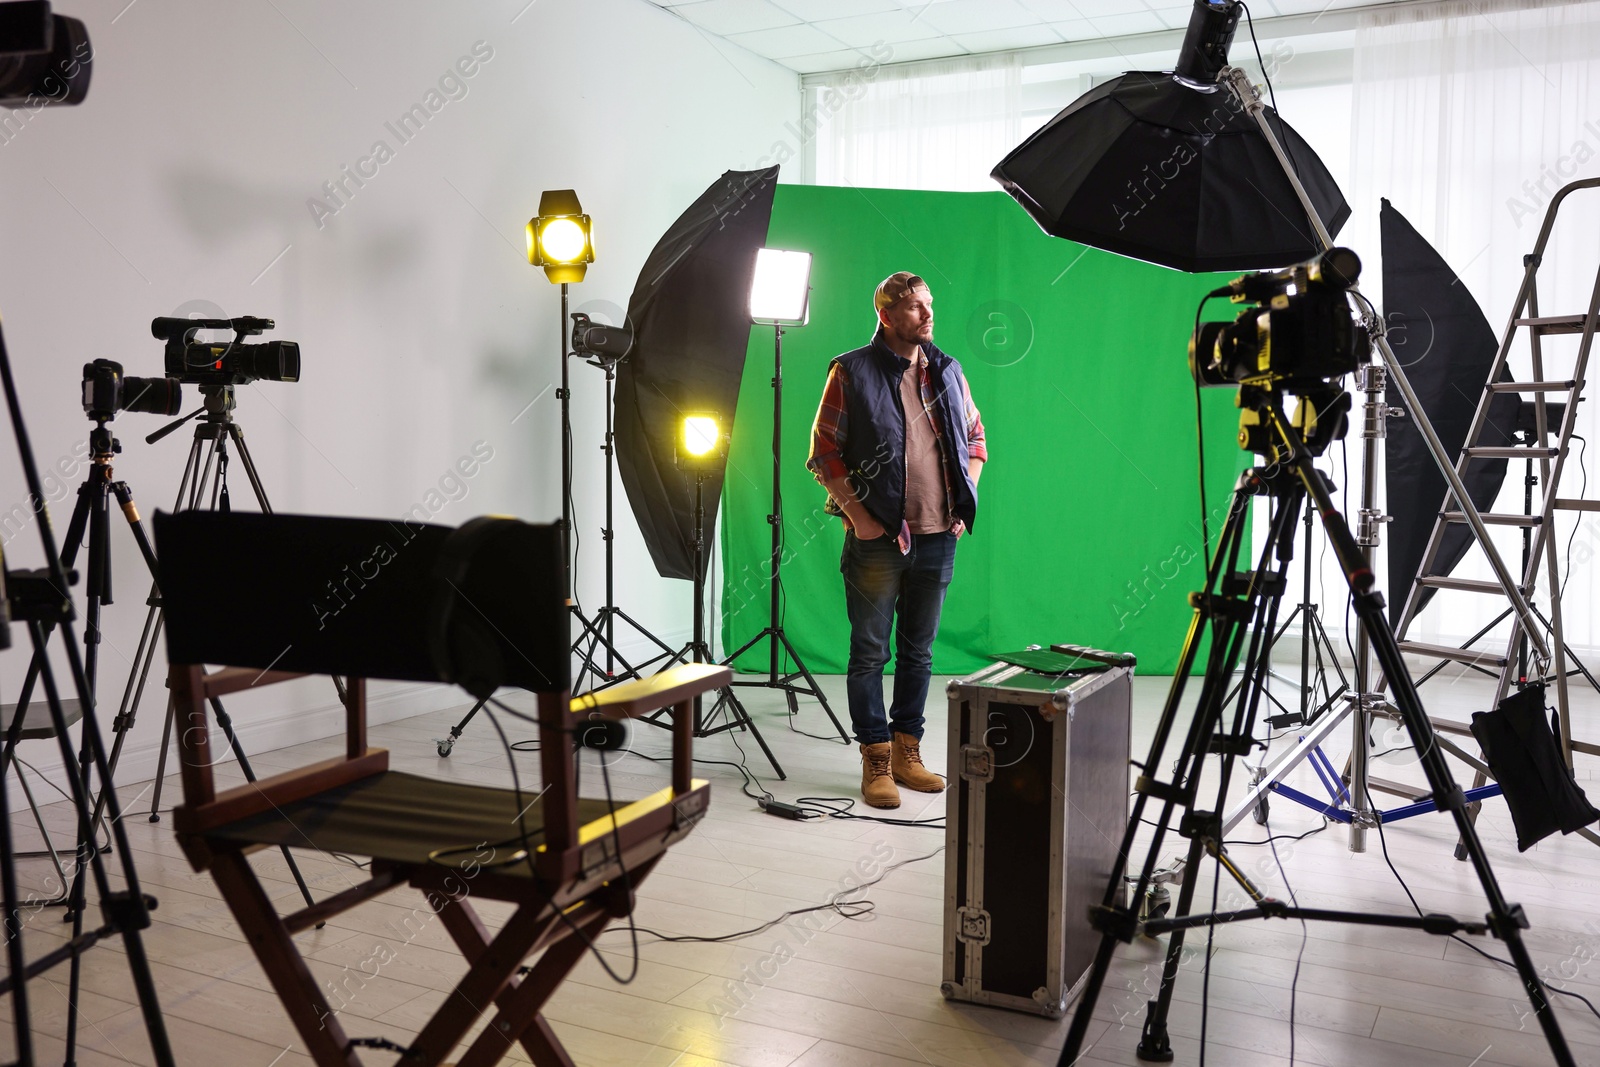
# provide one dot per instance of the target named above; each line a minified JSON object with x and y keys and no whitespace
{"x":575,"y":887}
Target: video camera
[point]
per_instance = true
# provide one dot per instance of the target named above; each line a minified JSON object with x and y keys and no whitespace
{"x":234,"y":363}
{"x":44,"y":58}
{"x":106,"y":391}
{"x":1300,"y":334}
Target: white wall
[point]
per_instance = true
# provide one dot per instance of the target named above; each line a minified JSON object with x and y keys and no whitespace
{"x":186,"y":176}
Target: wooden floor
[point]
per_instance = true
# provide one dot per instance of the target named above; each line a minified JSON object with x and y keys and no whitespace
{"x":865,"y":991}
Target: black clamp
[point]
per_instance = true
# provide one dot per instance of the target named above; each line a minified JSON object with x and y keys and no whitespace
{"x":1205,"y":825}
{"x":1120,"y":923}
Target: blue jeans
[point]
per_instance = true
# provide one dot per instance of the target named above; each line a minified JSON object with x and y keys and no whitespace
{"x":881,"y":585}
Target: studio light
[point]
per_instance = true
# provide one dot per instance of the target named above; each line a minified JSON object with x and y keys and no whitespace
{"x":1170,"y":167}
{"x":560,"y":237}
{"x":702,"y":444}
{"x":780,"y":295}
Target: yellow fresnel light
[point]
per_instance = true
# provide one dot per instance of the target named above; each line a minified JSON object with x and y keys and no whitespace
{"x":561,"y":237}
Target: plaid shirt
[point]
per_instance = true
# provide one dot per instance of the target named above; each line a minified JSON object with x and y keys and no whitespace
{"x":832,"y":428}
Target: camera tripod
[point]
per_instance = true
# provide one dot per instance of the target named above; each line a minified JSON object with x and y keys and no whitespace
{"x":211,"y":436}
{"x":41,"y":601}
{"x":1240,"y":609}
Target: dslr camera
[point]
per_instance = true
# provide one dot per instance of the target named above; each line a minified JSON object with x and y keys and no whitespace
{"x":106,"y":391}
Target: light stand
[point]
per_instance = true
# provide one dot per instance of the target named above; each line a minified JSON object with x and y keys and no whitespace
{"x":600,"y":631}
{"x":702,"y":451}
{"x":779,"y":296}
{"x":560,"y":239}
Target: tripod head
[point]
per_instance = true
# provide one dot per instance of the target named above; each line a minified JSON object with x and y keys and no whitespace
{"x":1321,"y":417}
{"x":219,"y":402}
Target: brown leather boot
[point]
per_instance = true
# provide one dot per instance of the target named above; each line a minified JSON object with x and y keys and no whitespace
{"x":905,"y":762}
{"x":877,"y":782}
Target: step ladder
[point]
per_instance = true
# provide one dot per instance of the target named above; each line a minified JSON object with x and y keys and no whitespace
{"x":1546,"y":448}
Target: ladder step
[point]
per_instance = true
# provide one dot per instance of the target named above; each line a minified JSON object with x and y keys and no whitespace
{"x":1569,"y":504}
{"x":1555,"y":323}
{"x":1511,"y":452}
{"x":1532,"y":387}
{"x":1450,"y":652}
{"x":1465,"y":585}
{"x":1504,"y":518}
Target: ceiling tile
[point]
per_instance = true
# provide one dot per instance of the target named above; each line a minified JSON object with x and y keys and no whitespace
{"x":978,"y":16}
{"x":817,"y":10}
{"x":932,"y":48}
{"x":797,"y":40}
{"x":1067,"y":10}
{"x":1003,"y":40}
{"x":823,"y":62}
{"x":1176,"y":18}
{"x":1142,"y":21}
{"x":1074,"y":30}
{"x":724,"y":17}
{"x":861,"y":31}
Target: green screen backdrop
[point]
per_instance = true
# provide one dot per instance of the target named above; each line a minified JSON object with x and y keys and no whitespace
{"x":1088,"y":526}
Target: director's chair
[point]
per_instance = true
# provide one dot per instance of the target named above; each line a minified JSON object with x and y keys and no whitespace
{"x":275,"y":597}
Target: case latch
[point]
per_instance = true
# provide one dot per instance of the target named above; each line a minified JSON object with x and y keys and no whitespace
{"x":974,"y":925}
{"x":977,"y":763}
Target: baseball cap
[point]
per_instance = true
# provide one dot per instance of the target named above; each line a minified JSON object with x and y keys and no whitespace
{"x":895,"y":288}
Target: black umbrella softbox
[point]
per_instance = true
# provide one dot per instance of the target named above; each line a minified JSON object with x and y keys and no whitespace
{"x":1160,"y":169}
{"x":690,"y":313}
{"x":1440,"y":336}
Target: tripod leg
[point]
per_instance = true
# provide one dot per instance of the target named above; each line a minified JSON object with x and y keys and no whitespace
{"x":127,"y":910}
{"x":741,"y":718}
{"x":161,"y":760}
{"x":250,"y":775}
{"x":455,"y":731}
{"x":1112,"y":917}
{"x":15,"y":962}
{"x":811,"y":683}
{"x":1507,"y":920}
{"x":1267,"y":587}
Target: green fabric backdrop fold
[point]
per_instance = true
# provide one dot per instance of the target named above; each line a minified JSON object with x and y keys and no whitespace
{"x":1088,"y":522}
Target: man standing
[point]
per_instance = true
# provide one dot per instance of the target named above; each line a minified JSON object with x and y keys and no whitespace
{"x":898,"y":445}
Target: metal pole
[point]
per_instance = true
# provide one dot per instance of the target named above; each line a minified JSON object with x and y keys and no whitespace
{"x":566,"y":458}
{"x":776,"y":518}
{"x":1239,"y":81}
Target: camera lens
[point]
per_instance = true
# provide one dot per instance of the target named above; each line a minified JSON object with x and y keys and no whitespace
{"x":153,"y":396}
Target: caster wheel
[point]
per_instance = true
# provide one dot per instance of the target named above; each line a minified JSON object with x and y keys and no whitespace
{"x":1262,"y":812}
{"x":445,"y":747}
{"x":155,"y":817}
{"x":1157,"y":904}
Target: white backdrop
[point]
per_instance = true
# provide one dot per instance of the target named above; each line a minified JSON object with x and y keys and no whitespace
{"x":195,"y":172}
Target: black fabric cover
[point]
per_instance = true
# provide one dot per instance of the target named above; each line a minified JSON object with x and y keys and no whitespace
{"x":1440,"y":337}
{"x":1520,"y":747}
{"x":1149,"y":167}
{"x":325,"y":595}
{"x":690,"y":314}
{"x":402,"y":818}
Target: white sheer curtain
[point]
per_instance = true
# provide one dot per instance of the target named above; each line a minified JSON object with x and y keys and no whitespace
{"x":937,"y":126}
{"x":1468,"y":116}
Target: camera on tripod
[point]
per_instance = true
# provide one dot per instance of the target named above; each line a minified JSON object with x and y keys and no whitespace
{"x":1299,"y":334}
{"x":233,"y":363}
{"x":106,"y":391}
